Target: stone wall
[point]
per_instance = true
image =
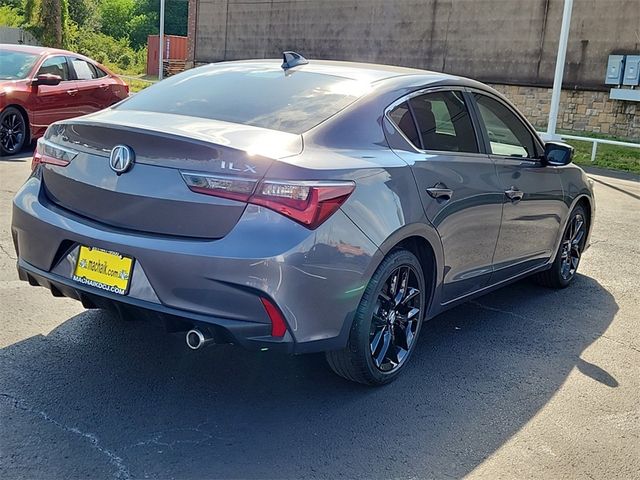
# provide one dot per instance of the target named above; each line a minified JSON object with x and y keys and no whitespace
{"x":580,"y":110}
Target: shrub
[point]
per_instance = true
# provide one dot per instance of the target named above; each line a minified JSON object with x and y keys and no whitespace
{"x":108,"y":50}
{"x":125,"y":61}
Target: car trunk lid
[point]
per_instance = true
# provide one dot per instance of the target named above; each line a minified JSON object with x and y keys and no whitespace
{"x":152,"y":196}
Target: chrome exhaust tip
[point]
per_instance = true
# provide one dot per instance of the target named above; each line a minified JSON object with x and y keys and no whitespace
{"x":196,"y":339}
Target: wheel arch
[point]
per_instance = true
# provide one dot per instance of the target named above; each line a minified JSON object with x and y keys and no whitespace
{"x":586,"y":202}
{"x":425,"y":244}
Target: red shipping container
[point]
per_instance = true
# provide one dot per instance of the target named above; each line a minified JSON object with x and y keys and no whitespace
{"x":175,"y":48}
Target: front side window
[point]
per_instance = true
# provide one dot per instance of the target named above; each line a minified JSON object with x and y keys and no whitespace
{"x":442,"y":119}
{"x":84,"y":70}
{"x":508,"y":136}
{"x":55,"y":66}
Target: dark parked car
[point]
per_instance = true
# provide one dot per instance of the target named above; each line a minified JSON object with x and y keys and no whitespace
{"x":39,"y":86}
{"x":321,"y":206}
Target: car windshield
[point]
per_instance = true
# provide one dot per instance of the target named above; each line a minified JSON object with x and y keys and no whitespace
{"x":15,"y":65}
{"x":260,"y":96}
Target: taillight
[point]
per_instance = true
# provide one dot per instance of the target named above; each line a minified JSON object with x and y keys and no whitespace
{"x":52,"y":154}
{"x":309,"y":202}
{"x":278,"y":325}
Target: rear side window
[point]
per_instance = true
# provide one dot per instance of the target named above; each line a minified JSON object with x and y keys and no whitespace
{"x":444,"y":122}
{"x":84,"y":70}
{"x":507,"y":134}
{"x":98,"y":71}
{"x":259,"y":95}
{"x":55,"y":66}
{"x":401,"y":116}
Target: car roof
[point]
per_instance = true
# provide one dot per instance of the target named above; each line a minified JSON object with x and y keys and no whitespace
{"x":364,"y":72}
{"x":33,"y":49}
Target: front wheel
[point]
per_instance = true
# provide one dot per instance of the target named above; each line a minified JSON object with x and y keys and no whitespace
{"x":564,"y":268}
{"x":386,"y":324}
{"x":13,"y":131}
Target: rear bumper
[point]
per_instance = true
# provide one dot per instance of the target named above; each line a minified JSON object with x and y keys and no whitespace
{"x":316,"y":278}
{"x":250,"y":335}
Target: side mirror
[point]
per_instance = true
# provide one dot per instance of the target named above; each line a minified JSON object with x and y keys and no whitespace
{"x":558,"y":153}
{"x":47,"y":79}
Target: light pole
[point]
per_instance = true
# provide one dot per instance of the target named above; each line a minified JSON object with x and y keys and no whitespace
{"x":557,"y":80}
{"x":161,"y":41}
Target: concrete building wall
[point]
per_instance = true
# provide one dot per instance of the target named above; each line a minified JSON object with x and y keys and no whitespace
{"x":505,"y":41}
{"x":16,"y":36}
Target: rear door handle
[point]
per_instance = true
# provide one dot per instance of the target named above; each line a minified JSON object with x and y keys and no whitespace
{"x":514,"y":194}
{"x":72,"y":92}
{"x":440,"y":192}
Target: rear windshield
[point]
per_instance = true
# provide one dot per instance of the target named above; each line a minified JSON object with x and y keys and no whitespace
{"x":252,"y":95}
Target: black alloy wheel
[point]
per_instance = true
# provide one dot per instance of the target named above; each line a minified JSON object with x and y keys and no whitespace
{"x":395,"y":319}
{"x":13,"y":131}
{"x":571,"y":247}
{"x":387,"y":322}
{"x":563,"y":269}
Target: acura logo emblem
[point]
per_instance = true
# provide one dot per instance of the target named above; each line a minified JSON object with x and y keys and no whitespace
{"x":121,"y":158}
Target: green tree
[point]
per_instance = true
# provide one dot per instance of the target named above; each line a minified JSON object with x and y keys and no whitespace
{"x":12,"y":3}
{"x":85,"y":13}
{"x":10,"y":16}
{"x":140,"y":26}
{"x":175,"y":18}
{"x":115,"y":15}
{"x":48,"y":20}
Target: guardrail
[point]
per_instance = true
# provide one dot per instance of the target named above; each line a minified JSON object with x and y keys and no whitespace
{"x":594,"y":141}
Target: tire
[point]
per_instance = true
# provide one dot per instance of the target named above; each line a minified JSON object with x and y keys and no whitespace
{"x":398,"y":331}
{"x":564,"y":267}
{"x":13,"y":131}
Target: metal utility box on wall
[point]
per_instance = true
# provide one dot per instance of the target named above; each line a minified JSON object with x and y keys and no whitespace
{"x":632,"y":70}
{"x":615,"y":70}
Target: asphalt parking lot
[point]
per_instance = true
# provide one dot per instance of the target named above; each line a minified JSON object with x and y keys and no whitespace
{"x":523,"y":383}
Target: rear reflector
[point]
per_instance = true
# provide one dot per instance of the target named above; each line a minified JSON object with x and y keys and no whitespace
{"x":52,"y":154}
{"x":278,"y":325}
{"x":309,"y":203}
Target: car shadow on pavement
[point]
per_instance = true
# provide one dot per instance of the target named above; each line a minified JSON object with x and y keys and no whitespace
{"x":22,"y":156}
{"x":100,"y":396}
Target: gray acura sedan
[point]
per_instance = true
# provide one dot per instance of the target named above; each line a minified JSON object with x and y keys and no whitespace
{"x":301,"y":207}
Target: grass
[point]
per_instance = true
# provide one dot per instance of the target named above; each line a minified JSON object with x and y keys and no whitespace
{"x":139,"y":83}
{"x":133,"y":76}
{"x":608,"y":156}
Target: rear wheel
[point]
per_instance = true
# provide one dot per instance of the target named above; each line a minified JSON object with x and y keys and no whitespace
{"x":387,"y":323}
{"x":565,"y":266}
{"x":13,"y":131}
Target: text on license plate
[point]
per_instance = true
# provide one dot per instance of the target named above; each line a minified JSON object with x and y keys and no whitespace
{"x":103,"y":269}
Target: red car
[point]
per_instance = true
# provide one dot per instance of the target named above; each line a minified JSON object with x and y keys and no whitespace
{"x":39,"y":86}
